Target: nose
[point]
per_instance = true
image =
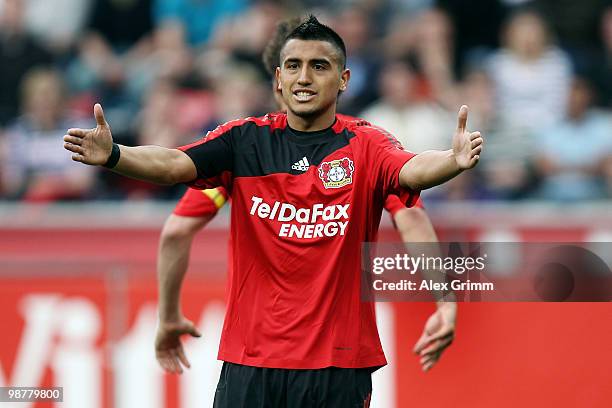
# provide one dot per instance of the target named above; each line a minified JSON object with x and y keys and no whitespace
{"x":305,"y":78}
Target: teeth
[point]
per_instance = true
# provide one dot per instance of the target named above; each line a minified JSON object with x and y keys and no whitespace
{"x":303,"y":94}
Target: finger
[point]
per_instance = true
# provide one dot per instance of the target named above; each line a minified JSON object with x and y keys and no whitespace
{"x":78,"y":132}
{"x":78,"y":158}
{"x":177,"y":365}
{"x":163,"y":362}
{"x":176,"y":362}
{"x":476,"y":142}
{"x":443,"y":332}
{"x":475,"y":135}
{"x":437,"y":347}
{"x":428,"y":366}
{"x":426,"y":359}
{"x":160,"y":362}
{"x":99,"y":114}
{"x":182,"y":357}
{"x":432,"y":340}
{"x":170,"y":364}
{"x":476,"y":151}
{"x":74,"y":148}
{"x":462,"y":118}
{"x":421,"y":343}
{"x":73,"y":139}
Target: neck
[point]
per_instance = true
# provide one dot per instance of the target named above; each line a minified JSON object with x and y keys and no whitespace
{"x":311,"y":123}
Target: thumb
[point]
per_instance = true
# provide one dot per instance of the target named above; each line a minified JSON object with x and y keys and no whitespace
{"x":99,"y":114}
{"x":462,"y":118}
{"x":192,"y":330}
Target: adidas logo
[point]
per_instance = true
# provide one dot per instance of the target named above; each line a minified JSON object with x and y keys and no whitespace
{"x":301,"y":165}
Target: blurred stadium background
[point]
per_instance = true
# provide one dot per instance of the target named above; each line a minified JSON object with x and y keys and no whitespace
{"x":78,"y":245}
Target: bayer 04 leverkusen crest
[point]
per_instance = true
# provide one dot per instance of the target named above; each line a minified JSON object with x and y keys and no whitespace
{"x":337,"y":173}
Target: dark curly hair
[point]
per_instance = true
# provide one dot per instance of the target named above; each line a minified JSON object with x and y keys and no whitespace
{"x":312,"y":29}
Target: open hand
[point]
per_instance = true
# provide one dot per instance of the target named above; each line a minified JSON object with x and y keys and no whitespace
{"x":438,"y":334}
{"x":168,"y":347}
{"x":466,"y":145}
{"x":91,"y":146}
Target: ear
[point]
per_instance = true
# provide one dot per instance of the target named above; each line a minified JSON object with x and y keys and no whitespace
{"x":344,"y":79}
{"x":279,"y":87}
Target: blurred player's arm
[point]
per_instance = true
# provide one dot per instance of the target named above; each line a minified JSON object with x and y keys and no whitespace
{"x":414,"y":225}
{"x":172,"y":262}
{"x":434,"y":167}
{"x":149,"y":163}
{"x":193,"y":212}
{"x":173,"y":259}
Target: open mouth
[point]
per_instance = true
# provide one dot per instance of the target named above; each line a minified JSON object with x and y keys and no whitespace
{"x":304,"y":95}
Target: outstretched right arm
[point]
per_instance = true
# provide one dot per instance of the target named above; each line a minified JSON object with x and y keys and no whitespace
{"x":149,"y":163}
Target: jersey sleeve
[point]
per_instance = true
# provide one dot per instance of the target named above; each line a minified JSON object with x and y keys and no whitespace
{"x":213,"y":156}
{"x":387,"y":157}
{"x":201,"y":203}
{"x":393,"y":204}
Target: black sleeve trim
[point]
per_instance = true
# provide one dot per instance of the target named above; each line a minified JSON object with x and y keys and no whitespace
{"x":213,"y":157}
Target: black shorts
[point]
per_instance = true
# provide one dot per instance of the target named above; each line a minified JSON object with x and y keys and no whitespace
{"x":243,"y":386}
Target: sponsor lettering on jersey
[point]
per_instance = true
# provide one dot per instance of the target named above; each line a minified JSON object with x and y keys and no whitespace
{"x":317,"y":221}
{"x":337,"y":173}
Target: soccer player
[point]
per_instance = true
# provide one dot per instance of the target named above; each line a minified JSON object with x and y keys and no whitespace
{"x":307,"y":189}
{"x":197,"y":207}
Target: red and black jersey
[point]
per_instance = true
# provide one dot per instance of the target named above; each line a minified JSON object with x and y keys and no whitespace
{"x":302,"y":205}
{"x":393,"y":204}
{"x":201,"y":203}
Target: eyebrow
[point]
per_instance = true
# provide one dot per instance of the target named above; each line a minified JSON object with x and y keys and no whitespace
{"x":312,"y":61}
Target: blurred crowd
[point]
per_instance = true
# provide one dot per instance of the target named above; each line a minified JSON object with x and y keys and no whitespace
{"x":537,"y":75}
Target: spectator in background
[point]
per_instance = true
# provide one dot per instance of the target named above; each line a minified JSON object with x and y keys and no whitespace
{"x":117,"y":34}
{"x":530,"y":74}
{"x":476,"y":26}
{"x":434,"y":50}
{"x":476,"y":89}
{"x":244,"y":80}
{"x":353,"y":25}
{"x":244,"y":37}
{"x":34,"y":167}
{"x":531,"y":79}
{"x":418,"y":123}
{"x":168,"y":59}
{"x":198,"y":18}
{"x":19,"y":51}
{"x":575,"y":23}
{"x":426,"y":39}
{"x":158,"y":123}
{"x":602,"y":68}
{"x":121,"y":23}
{"x":57,"y":23}
{"x":570,"y":154}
